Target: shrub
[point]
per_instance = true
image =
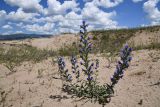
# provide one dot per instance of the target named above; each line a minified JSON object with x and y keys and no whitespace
{"x":89,"y":87}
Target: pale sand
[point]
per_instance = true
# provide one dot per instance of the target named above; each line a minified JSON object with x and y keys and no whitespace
{"x":53,"y":43}
{"x":145,"y":38}
{"x":27,"y":90}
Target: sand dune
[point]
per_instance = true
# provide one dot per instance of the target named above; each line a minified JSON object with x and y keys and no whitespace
{"x":33,"y":84}
{"x":139,"y":87}
{"x":54,"y":42}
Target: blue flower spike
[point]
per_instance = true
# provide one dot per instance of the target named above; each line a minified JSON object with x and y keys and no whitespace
{"x":125,"y":55}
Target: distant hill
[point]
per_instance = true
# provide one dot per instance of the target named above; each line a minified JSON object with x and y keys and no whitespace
{"x":22,"y":36}
{"x":139,"y":38}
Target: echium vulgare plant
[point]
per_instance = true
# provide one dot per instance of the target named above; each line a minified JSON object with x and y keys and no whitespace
{"x":87,"y":86}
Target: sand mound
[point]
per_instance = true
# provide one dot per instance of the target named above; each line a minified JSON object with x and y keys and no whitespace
{"x":33,"y":84}
{"x":54,"y":42}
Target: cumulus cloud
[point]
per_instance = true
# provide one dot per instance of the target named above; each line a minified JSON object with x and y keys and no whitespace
{"x":7,"y":27}
{"x":50,"y":19}
{"x":105,"y":3}
{"x":2,"y":14}
{"x":20,"y":15}
{"x":98,"y":18}
{"x":40,"y":28}
{"x":71,"y":21}
{"x":2,"y":17}
{"x":109,"y":3}
{"x":73,"y":16}
{"x":136,"y":1}
{"x":19,"y":24}
{"x":55,"y":7}
{"x":59,"y":17}
{"x":29,"y":5}
{"x":19,"y":31}
{"x":68,"y":22}
{"x":152,"y":10}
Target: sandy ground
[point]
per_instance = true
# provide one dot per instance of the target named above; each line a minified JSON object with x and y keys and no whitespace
{"x":54,"y":42}
{"x":145,"y":38}
{"x":32,"y":84}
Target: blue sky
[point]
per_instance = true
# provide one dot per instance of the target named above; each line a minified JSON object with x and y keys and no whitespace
{"x":53,"y":17}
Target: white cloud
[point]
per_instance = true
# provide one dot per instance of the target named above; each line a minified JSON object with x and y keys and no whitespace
{"x":7,"y":27}
{"x":73,"y":16}
{"x":109,"y":3}
{"x":2,"y":13}
{"x":50,"y":19}
{"x":29,"y":5}
{"x":97,"y":17}
{"x":20,"y":24}
{"x":40,"y":28}
{"x":105,"y":3}
{"x":59,"y":17}
{"x":2,"y":17}
{"x":20,"y":15}
{"x":66,"y":30}
{"x":152,"y":10}
{"x":71,"y":21}
{"x":68,"y":22}
{"x":136,"y":1}
{"x":16,"y":17}
{"x":55,"y":7}
{"x":19,"y":31}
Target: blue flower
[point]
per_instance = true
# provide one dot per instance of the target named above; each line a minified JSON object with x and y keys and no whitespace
{"x":97,"y":64}
{"x":85,"y":48}
{"x":125,"y":55}
{"x":69,"y":77}
{"x":61,"y":63}
{"x":75,"y":66}
{"x":126,"y":46}
{"x":89,"y":78}
{"x":129,"y":58}
{"x":81,"y":63}
{"x":73,"y":60}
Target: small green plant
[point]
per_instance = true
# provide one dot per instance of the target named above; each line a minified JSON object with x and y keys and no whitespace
{"x":40,"y":73}
{"x":10,"y":66}
{"x":83,"y":83}
{"x":3,"y":96}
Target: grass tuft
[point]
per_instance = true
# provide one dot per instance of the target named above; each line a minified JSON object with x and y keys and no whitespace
{"x":17,"y":54}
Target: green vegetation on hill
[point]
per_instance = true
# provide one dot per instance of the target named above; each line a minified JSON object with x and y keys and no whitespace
{"x":104,"y":41}
{"x":112,"y":40}
{"x":150,"y":46}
